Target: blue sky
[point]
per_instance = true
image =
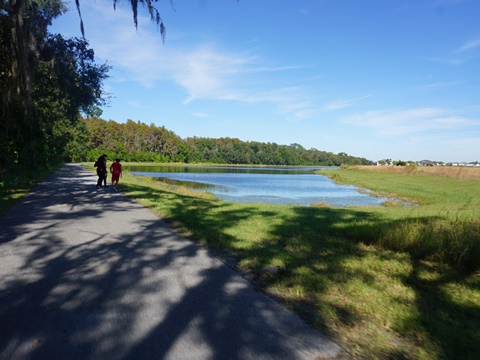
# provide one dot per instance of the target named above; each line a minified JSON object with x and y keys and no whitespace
{"x":378,"y":79}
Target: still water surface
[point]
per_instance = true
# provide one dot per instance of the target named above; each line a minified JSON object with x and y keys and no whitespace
{"x":292,"y":185}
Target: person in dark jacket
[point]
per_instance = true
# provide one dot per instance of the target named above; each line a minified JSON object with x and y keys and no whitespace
{"x":101,"y":165}
{"x":106,"y":174}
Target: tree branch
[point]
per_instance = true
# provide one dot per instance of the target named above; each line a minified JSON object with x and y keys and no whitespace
{"x":6,"y":7}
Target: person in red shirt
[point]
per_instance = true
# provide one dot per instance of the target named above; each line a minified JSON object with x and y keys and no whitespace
{"x":116,"y":170}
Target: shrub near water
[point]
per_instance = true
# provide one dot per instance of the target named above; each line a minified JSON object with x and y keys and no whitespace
{"x":455,"y":242}
{"x":445,"y":226}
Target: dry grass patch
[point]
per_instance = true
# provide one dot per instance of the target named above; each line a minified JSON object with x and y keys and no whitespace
{"x":454,"y":172}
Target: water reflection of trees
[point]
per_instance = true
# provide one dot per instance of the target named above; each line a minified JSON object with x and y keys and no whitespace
{"x":223,"y":169}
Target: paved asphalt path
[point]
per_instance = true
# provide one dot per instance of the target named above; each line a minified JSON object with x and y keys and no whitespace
{"x":91,"y":274}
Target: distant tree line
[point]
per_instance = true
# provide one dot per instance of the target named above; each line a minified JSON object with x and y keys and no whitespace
{"x":139,"y":142}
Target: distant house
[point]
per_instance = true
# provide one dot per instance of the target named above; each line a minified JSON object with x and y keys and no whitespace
{"x":385,"y":163}
{"x":456,"y":163}
{"x":473,"y":163}
{"x":427,"y":163}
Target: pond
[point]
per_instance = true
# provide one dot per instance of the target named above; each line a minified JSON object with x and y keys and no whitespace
{"x":276,"y":185}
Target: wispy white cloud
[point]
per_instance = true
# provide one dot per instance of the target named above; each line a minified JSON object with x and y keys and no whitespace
{"x":344,"y":103}
{"x":273,"y":68}
{"x":469,"y":45}
{"x":135,"y":104}
{"x":338,"y":104}
{"x":438,"y":85}
{"x":458,"y":56}
{"x":315,"y":77}
{"x":199,"y":114}
{"x":405,"y":122}
{"x":205,"y":71}
{"x":447,"y":60}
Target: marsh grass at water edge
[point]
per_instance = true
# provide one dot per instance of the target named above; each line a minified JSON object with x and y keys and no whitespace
{"x":337,"y":268}
{"x":446,"y":225}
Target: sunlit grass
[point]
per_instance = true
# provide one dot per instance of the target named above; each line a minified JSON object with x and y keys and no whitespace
{"x":445,"y":226}
{"x":379,"y":280}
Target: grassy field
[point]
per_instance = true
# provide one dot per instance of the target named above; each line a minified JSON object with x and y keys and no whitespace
{"x":395,"y":282}
{"x":445,"y":224}
{"x":452,"y":172}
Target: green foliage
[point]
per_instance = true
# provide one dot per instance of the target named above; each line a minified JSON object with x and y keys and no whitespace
{"x":14,"y":186}
{"x":43,"y":90}
{"x":77,"y":148}
{"x":66,"y":84}
{"x":135,"y":141}
{"x":68,"y":79}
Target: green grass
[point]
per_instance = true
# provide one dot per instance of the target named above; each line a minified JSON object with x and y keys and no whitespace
{"x":384,"y":282}
{"x":444,"y":227}
{"x":14,"y":186}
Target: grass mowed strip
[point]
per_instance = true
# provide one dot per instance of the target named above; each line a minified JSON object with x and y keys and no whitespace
{"x":385,"y":282}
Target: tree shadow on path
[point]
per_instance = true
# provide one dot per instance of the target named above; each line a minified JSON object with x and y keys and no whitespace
{"x":90,"y":274}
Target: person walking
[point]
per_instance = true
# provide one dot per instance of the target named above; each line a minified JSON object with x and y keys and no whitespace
{"x":101,"y":165}
{"x":116,"y":170}
{"x":106,"y":175}
{"x":106,"y":172}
